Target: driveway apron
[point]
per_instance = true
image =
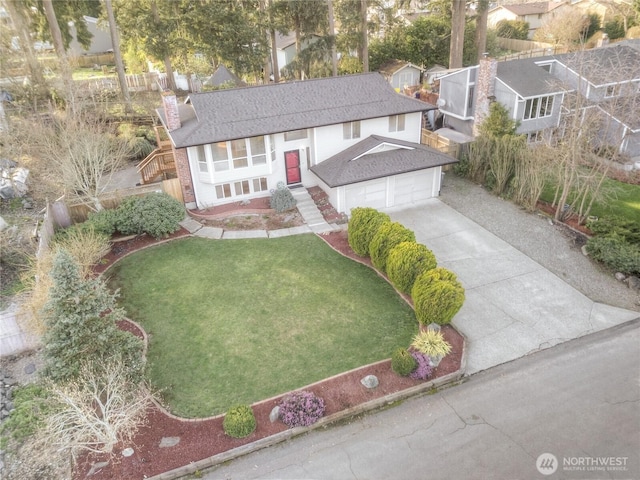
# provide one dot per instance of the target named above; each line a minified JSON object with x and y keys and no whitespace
{"x":513,"y":305}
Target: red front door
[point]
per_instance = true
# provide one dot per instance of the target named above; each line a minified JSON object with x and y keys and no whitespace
{"x":292,"y":162}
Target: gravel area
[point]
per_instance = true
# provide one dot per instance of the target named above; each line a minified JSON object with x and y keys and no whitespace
{"x":553,"y":246}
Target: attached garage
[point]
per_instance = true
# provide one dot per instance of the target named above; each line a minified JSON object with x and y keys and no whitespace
{"x":380,"y":172}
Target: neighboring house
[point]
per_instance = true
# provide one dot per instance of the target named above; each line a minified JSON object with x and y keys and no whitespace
{"x":286,"y":47}
{"x":100,"y":42}
{"x":536,"y":90}
{"x":351,"y":135}
{"x":401,"y":74}
{"x":535,"y":14}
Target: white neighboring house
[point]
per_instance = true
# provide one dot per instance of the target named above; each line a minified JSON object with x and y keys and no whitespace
{"x":353,"y":136}
{"x":100,"y":42}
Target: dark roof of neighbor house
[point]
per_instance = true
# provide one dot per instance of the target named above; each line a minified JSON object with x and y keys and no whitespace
{"x":392,"y":66}
{"x":355,"y":165}
{"x":267,"y":109}
{"x":528,"y":79}
{"x":223,"y":76}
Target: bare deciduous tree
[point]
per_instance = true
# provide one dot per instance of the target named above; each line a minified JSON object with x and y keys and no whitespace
{"x":563,"y":29}
{"x":84,"y":154}
{"x":97,"y":410}
{"x":592,"y":131}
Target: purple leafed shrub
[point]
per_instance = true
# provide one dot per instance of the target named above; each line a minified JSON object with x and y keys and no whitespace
{"x":301,"y":409}
{"x":423,"y":369}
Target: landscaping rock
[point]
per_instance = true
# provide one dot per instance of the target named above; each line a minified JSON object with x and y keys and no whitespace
{"x":29,"y":368}
{"x":169,"y":442}
{"x":584,"y":251}
{"x":127,"y":452}
{"x":99,"y":465}
{"x":621,"y":277}
{"x":434,"y":327}
{"x":634,"y":283}
{"x":275,"y":414}
{"x":370,"y":381}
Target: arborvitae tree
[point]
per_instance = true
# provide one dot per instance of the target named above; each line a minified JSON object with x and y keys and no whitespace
{"x":80,"y":319}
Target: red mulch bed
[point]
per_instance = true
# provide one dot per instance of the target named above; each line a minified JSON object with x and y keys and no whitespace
{"x":200,"y":439}
{"x":571,"y":221}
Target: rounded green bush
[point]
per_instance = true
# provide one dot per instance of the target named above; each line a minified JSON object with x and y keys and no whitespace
{"x":239,"y":421}
{"x":159,"y":214}
{"x":388,"y":236}
{"x":363,"y":225}
{"x":437,"y":296}
{"x":406,"y":262}
{"x":402,"y":362}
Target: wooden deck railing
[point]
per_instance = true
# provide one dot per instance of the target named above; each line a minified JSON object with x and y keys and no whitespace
{"x":159,"y":164}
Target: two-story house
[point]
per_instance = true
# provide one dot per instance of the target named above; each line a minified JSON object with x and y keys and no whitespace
{"x":353,"y":136}
{"x":537,"y":93}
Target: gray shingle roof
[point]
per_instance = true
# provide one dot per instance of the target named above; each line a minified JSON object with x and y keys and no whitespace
{"x":248,"y":112}
{"x":223,"y":76}
{"x":606,"y":65}
{"x":528,"y":79}
{"x":353,"y":165}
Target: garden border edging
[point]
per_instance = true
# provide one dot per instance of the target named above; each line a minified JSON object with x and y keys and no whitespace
{"x":336,"y":417}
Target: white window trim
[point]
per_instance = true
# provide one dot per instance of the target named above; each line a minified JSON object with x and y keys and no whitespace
{"x":528,"y":107}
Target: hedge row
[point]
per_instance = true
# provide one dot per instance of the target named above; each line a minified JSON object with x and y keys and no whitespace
{"x":156,"y":214}
{"x":411,"y":267}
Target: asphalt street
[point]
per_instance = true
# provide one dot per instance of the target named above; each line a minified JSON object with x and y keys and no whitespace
{"x":571,"y":411}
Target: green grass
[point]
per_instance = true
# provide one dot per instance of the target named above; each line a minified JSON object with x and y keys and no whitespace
{"x":622,"y":200}
{"x":238,"y":321}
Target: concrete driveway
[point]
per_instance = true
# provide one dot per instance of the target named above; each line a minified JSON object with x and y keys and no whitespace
{"x":513,"y":305}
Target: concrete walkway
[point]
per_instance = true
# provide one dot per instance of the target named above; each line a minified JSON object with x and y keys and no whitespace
{"x":314,"y":223}
{"x":513,"y":305}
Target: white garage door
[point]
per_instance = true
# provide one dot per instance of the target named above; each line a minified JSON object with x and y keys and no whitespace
{"x":367,"y":194}
{"x":404,"y":189}
{"x":412,"y":187}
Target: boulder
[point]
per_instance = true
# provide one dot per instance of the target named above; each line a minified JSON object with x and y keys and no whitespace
{"x":370,"y":381}
{"x":621,"y":277}
{"x":275,"y":414}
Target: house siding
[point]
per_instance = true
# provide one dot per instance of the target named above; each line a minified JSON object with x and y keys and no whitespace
{"x":455,"y":88}
{"x":407,"y":76}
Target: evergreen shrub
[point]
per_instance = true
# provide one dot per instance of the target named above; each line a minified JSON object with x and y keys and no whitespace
{"x":406,"y":262}
{"x":437,"y":296}
{"x":282,"y":198}
{"x":239,"y":421}
{"x":388,"y":236}
{"x":159,"y":214}
{"x":402,"y":362}
{"x":363,"y":225}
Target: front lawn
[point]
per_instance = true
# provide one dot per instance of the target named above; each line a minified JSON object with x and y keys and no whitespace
{"x":237,"y":321}
{"x":623,"y":200}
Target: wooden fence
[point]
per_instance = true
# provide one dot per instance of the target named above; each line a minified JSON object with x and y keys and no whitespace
{"x":440,"y":143}
{"x":79,"y":212}
{"x":528,"y":48}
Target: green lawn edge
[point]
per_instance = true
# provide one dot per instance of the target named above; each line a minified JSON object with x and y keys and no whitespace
{"x":237,"y":321}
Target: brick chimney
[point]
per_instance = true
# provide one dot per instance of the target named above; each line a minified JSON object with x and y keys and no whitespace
{"x":485,"y":90}
{"x":170,"y":104}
